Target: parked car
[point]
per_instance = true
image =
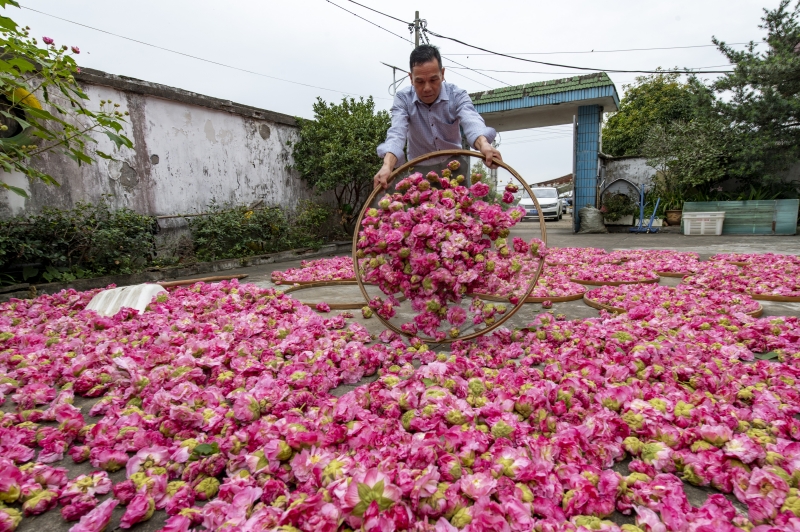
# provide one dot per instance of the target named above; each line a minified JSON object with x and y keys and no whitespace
{"x":552,"y":206}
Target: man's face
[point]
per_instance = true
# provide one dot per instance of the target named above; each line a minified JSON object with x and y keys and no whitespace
{"x":427,"y":80}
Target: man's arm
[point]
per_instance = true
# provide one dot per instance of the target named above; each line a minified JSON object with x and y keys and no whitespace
{"x":478,"y":134}
{"x":392,"y":149}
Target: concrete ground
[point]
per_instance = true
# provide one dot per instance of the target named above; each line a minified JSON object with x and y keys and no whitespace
{"x":559,"y":234}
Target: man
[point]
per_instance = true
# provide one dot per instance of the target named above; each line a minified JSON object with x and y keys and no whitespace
{"x":428,"y":114}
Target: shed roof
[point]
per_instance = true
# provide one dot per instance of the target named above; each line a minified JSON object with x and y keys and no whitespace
{"x":539,"y":88}
{"x":545,"y":103}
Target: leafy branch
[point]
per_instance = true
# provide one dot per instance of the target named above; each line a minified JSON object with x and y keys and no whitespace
{"x":42,"y":107}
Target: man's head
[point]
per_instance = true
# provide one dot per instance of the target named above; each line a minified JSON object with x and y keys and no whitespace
{"x":427,"y":73}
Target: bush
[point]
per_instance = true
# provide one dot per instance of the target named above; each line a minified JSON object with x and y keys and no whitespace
{"x":87,"y":241}
{"x":615,"y":206}
{"x":237,"y":231}
{"x":91,"y":240}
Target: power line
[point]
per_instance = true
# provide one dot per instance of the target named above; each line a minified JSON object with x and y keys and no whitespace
{"x":367,"y":20}
{"x":408,"y":40}
{"x":560,"y":73}
{"x":477,"y":71}
{"x":194,"y":56}
{"x":381,"y":13}
{"x":570,"y":66}
{"x":614,"y":51}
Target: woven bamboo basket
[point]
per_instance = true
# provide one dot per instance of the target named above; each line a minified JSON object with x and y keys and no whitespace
{"x":295,"y":287}
{"x":600,"y":306}
{"x":770,"y":297}
{"x":615,"y":283}
{"x":399,"y":171}
{"x":673,"y":274}
{"x":531,"y":299}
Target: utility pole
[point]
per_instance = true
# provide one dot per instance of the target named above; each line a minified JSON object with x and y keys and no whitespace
{"x":416,"y":29}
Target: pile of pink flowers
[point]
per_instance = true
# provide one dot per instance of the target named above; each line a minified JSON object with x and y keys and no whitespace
{"x":768,"y":278}
{"x":756,"y":258}
{"x":626,"y":272}
{"x":215,"y":405}
{"x":331,"y":269}
{"x":662,"y":260}
{"x":551,"y":284}
{"x":567,"y":256}
{"x":433,"y":245}
{"x":644,"y":301}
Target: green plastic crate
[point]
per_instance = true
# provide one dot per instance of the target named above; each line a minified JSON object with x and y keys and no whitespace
{"x":755,"y":217}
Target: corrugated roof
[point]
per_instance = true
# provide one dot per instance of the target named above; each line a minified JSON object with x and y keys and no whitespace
{"x":599,"y":79}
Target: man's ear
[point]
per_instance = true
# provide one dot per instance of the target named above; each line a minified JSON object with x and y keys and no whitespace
{"x":442,"y":73}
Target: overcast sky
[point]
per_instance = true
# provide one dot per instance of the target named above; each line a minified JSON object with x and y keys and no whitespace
{"x":314,"y":42}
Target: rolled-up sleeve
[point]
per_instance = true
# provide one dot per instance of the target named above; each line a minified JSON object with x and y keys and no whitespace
{"x":396,"y":136}
{"x":471,"y":122}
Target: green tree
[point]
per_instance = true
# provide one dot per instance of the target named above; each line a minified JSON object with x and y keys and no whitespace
{"x":688,"y":154}
{"x":42,"y":108}
{"x":337,"y":151}
{"x":763,"y":99}
{"x":653,"y":100}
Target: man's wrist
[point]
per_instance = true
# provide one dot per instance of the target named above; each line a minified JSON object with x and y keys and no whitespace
{"x":479,"y":142}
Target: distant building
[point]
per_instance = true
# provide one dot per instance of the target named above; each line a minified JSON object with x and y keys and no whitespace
{"x":557,"y":182}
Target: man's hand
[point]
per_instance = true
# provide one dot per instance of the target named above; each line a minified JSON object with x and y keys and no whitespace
{"x":381,"y":179}
{"x":488,"y":151}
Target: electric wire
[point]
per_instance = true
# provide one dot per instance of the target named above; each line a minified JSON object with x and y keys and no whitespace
{"x":615,"y":51}
{"x":490,"y":52}
{"x":562,"y":73}
{"x":381,"y":13}
{"x":410,"y":41}
{"x":367,"y":20}
{"x":210,"y":61}
{"x":683,"y":71}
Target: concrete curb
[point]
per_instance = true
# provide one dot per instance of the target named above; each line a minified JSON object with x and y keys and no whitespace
{"x":166,"y":274}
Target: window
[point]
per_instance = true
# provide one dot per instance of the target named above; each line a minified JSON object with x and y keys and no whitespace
{"x":545,"y":193}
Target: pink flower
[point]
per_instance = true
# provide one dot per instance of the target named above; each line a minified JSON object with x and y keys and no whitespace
{"x":323,"y":307}
{"x":246,"y":408}
{"x":47,"y":40}
{"x":108,"y":459}
{"x":479,"y":190}
{"x":177,"y":523}
{"x":140,"y":509}
{"x":367,"y":488}
{"x":477,"y":485}
{"x":40,"y":502}
{"x":76,"y":50}
{"x":96,"y":520}
{"x":10,"y":519}
{"x":78,"y":507}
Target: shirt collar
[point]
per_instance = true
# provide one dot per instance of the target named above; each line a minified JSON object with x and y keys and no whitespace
{"x":443,"y":95}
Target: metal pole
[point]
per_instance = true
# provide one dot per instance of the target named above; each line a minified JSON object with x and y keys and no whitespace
{"x":416,"y":29}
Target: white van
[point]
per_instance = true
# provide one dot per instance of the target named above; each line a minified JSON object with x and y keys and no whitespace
{"x":552,"y":206}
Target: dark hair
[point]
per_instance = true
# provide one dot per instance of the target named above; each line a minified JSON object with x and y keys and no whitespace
{"x":424,"y":53}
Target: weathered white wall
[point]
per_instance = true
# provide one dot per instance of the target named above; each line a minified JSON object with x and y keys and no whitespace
{"x":185,"y":157}
{"x":634,"y":169}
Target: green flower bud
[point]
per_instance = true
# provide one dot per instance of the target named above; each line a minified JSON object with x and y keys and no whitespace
{"x":502,"y":430}
{"x":209,"y":487}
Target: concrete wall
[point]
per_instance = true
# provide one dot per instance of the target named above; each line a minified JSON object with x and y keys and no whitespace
{"x":634,"y":169}
{"x":190,"y":150}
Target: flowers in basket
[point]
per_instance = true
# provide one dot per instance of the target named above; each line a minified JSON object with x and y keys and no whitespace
{"x":433,"y":240}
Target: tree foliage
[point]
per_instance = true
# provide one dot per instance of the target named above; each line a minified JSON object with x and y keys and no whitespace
{"x":61,"y":121}
{"x":337,"y":151}
{"x":689,"y":153}
{"x":763,"y":98}
{"x":654,"y":100}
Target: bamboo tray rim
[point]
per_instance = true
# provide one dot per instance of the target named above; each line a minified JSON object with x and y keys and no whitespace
{"x":615,"y":283}
{"x":530,"y":299}
{"x":601,"y":306}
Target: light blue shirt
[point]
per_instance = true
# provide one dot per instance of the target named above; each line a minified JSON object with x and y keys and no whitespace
{"x":432,"y":127}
